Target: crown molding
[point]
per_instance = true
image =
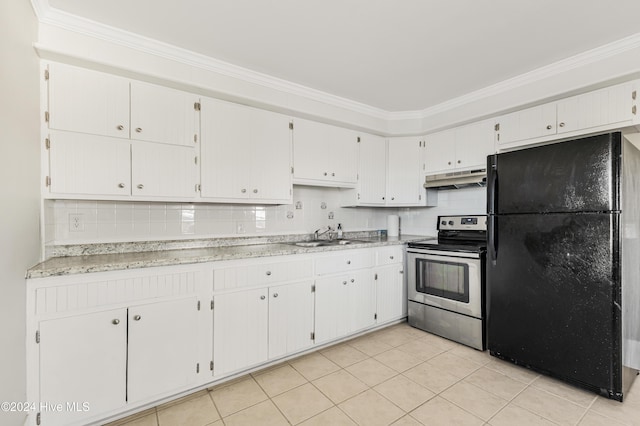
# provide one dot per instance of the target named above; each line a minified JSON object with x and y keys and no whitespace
{"x":74,"y":23}
{"x":87,"y":27}
{"x":539,"y":74}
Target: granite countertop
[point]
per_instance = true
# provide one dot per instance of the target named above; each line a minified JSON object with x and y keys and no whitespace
{"x":104,"y":257}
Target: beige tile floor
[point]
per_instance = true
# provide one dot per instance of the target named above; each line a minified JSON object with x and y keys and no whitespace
{"x":400,"y":376}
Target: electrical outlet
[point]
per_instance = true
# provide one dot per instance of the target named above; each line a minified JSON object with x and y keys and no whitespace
{"x":239,"y":228}
{"x":330,"y":215}
{"x":298,"y":205}
{"x":76,"y":222}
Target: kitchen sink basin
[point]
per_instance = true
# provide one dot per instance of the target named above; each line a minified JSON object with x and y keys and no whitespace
{"x":319,"y":243}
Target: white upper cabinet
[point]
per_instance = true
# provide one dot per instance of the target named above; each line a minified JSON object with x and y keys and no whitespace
{"x":372,"y":167}
{"x":324,"y":155}
{"x":405,"y":171}
{"x":83,"y":164}
{"x":95,"y":152}
{"x":87,"y":101}
{"x":160,"y":114}
{"x":599,"y":110}
{"x":163,"y":171}
{"x":246,"y":154}
{"x":461,"y":148}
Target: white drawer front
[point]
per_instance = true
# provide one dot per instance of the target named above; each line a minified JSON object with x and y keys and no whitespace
{"x":349,"y":260}
{"x":389,"y":255}
{"x":254,"y":274}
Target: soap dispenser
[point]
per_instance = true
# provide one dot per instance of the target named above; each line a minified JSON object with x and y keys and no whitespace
{"x":339,"y":231}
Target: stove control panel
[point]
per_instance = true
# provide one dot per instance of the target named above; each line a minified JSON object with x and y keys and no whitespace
{"x":453,"y":223}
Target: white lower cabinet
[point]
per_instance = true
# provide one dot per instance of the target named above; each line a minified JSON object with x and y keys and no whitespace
{"x":345,"y":304}
{"x":83,"y":359}
{"x":240,"y":330}
{"x":390,"y":294}
{"x":162,"y":339}
{"x":110,"y":342}
{"x":253,"y":326}
{"x":391,"y":289}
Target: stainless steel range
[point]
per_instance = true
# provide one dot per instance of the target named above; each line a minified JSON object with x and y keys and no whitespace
{"x":446,"y":280}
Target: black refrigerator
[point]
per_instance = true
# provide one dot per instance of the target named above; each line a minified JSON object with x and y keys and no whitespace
{"x":563,"y":261}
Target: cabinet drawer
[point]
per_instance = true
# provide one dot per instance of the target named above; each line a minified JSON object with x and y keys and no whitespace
{"x":389,"y":255}
{"x":261,"y":273}
{"x":348,"y":261}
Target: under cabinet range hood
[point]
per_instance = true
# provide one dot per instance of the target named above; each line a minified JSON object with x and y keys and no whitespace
{"x":455,"y":180}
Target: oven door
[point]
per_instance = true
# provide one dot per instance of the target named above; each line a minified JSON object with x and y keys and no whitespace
{"x":447,"y":280}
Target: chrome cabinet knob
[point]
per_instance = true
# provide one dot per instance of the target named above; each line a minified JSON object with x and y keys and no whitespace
{"x":138,"y":129}
{"x":120,"y":127}
{"x":549,"y":127}
{"x":393,"y":198}
{"x":243,"y":190}
{"x":401,"y":271}
{"x":333,"y":174}
{"x":561,"y":124}
{"x":325,"y":173}
{"x":121,"y":185}
{"x":459,"y":161}
{"x":383,"y":198}
{"x":344,"y":283}
{"x":137,"y":317}
{"x":449,"y":163}
{"x":275,"y":294}
{"x":255,"y":191}
{"x":115,"y":321}
{"x":263,"y":297}
{"x":140,"y":186}
{"x":268,"y":273}
{"x":391,"y":257}
{"x":353,"y":280}
{"x":348,"y":262}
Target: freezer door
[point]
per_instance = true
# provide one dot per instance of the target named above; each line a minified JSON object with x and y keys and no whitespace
{"x":553,"y":290}
{"x":573,"y":176}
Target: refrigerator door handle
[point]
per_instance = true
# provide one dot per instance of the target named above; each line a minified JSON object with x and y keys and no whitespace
{"x":492,"y":184}
{"x":492,"y":231}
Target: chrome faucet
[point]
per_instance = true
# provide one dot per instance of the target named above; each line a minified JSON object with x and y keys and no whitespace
{"x":317,"y":233}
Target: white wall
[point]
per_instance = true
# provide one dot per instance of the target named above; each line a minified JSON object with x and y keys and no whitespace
{"x":107,"y":221}
{"x":19,"y":177}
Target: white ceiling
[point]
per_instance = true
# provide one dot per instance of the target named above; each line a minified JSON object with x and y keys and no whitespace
{"x":396,"y":55}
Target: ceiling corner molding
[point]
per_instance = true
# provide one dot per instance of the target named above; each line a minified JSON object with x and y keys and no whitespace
{"x":547,"y":71}
{"x":87,"y":27}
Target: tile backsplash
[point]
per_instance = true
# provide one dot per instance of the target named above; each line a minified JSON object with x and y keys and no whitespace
{"x":82,"y":222}
{"x":450,"y":202}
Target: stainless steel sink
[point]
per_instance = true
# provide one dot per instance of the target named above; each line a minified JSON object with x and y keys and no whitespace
{"x":319,"y":243}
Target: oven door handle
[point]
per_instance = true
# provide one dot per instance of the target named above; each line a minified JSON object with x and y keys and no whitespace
{"x":492,"y":234}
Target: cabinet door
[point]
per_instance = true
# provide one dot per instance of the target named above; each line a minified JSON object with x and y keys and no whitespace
{"x":361,"y":300}
{"x":473,"y":143}
{"x":87,"y":164}
{"x":597,"y":108}
{"x":86,"y":101}
{"x":389,"y":292}
{"x":405,"y":171}
{"x":528,"y":124}
{"x":440,"y":151}
{"x":310,"y":146}
{"x":332,"y":314}
{"x":83,"y":359}
{"x":160,"y":114}
{"x":325,"y":154}
{"x":342,"y":155}
{"x":290,"y":318}
{"x":159,"y":170}
{"x":163,"y":349}
{"x":240,"y":330}
{"x":225,"y":151}
{"x":270,"y":156}
{"x":246,"y":153}
{"x":372,"y":170}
